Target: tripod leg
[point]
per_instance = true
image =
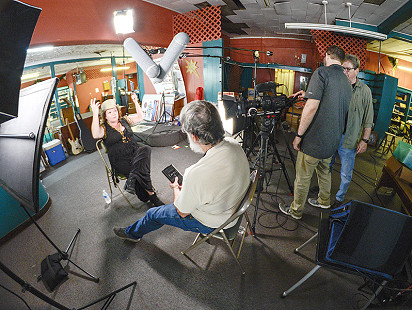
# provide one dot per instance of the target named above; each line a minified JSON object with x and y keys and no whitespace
{"x":95,"y":279}
{"x":253,"y":145}
{"x":73,"y":240}
{"x":291,"y":155}
{"x":64,"y":254}
{"x":110,"y":296}
{"x":26,"y":286}
{"x":259,"y":185}
{"x":282,"y":164}
{"x":261,"y":175}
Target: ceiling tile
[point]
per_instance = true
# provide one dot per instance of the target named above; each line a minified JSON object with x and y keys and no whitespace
{"x":364,"y":10}
{"x":283,"y":8}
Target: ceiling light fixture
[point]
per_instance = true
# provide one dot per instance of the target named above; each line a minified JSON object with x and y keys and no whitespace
{"x":342,"y":29}
{"x":40,"y":49}
{"x":123,"y":21}
{"x":115,"y":69}
{"x":405,"y":68}
{"x":30,"y":76}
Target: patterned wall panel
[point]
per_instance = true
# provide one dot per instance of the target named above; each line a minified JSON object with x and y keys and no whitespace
{"x":351,"y":45}
{"x":201,"y":25}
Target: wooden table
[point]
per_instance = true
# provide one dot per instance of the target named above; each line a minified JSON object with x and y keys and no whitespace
{"x":390,"y":178}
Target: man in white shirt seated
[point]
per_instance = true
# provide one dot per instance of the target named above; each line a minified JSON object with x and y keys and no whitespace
{"x":211,"y":188}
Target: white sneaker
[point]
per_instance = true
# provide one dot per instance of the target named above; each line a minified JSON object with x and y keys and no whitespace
{"x":286,"y":210}
{"x":314,"y":202}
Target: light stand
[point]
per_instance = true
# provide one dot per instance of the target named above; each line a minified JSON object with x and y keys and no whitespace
{"x":164,"y":113}
{"x":24,"y":135}
{"x":27,"y":287}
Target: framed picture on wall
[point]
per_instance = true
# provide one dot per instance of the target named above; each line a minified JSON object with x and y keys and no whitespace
{"x":373,"y":138}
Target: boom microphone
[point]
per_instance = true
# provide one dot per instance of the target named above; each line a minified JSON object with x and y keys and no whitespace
{"x":172,"y":53}
{"x":157,"y":72}
{"x":142,"y":59}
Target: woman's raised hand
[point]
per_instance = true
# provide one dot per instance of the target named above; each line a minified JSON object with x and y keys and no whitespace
{"x":94,"y":106}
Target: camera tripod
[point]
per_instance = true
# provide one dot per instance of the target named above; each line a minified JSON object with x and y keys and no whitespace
{"x":266,"y":139}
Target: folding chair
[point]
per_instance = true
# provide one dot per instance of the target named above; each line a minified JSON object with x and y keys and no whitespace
{"x":365,"y":240}
{"x":229,"y":235}
{"x":111,"y":178}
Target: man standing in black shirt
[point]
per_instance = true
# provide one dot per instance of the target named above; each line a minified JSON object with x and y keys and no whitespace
{"x":321,"y":126}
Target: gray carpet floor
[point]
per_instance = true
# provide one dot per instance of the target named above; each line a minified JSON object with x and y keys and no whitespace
{"x":165,"y":278}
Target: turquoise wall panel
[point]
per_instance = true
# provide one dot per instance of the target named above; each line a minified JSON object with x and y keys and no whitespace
{"x":12,"y":214}
{"x":140,"y":82}
{"x":212,"y":69}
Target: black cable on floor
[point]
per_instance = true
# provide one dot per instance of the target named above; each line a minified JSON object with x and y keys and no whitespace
{"x":11,"y":292}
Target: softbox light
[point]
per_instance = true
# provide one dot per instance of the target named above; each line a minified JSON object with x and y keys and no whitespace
{"x":228,"y":109}
{"x":21,"y":140}
{"x":17,"y":22}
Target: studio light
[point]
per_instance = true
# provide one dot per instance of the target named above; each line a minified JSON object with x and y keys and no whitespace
{"x":123,"y":21}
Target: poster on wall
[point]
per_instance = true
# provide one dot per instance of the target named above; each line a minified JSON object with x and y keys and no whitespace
{"x":151,"y":106}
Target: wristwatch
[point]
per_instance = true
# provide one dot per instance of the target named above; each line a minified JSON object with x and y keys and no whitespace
{"x":365,"y":140}
{"x":298,"y":135}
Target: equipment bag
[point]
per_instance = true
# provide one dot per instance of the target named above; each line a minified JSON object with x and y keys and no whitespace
{"x":52,"y":272}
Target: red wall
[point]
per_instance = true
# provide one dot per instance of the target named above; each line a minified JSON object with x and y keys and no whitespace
{"x":192,"y":82}
{"x":91,"y":21}
{"x":404,"y":77}
{"x":285,"y":51}
{"x":95,"y":79}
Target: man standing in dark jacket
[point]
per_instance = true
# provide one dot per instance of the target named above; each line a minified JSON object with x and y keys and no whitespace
{"x":320,"y":130}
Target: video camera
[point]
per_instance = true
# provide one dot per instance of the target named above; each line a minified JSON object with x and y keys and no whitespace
{"x":266,"y":99}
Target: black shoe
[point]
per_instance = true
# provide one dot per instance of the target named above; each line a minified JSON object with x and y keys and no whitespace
{"x":130,"y":186}
{"x":336,"y":204}
{"x":121,"y":233}
{"x":155,"y":200}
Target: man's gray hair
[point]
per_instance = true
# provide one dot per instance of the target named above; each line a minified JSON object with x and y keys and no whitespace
{"x":202,"y":119}
{"x":354,"y":60}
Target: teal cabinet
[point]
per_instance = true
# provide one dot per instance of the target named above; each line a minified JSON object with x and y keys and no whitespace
{"x":384,"y":88}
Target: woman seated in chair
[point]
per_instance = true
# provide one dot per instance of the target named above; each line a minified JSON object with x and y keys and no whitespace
{"x":126,"y":155}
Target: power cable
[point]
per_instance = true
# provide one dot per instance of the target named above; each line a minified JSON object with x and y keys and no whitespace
{"x":11,"y":292}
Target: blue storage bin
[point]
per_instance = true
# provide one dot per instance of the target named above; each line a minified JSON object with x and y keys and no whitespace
{"x":54,"y":151}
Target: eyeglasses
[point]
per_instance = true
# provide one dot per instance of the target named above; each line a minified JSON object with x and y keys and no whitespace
{"x":347,"y":69}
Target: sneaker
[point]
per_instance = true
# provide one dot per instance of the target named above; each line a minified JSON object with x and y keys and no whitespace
{"x":130,"y":185}
{"x":314,"y":202}
{"x":286,"y":210}
{"x":155,"y":200}
{"x":122,"y":234}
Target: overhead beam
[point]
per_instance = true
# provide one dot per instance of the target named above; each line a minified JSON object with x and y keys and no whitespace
{"x":397,"y":18}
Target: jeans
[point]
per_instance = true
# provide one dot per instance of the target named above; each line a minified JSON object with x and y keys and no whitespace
{"x":347,"y":159}
{"x":305,"y":166}
{"x":165,"y":215}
